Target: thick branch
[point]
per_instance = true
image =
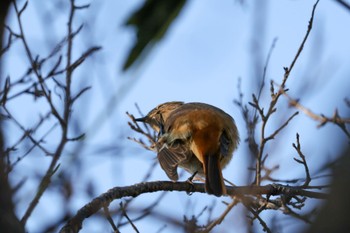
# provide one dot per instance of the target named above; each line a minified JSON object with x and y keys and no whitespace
{"x":75,"y":223}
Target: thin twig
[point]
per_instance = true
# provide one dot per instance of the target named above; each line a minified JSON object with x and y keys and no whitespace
{"x":257,"y":216}
{"x":145,"y":211}
{"x":344,"y":4}
{"x":110,"y":220}
{"x":272,"y":136}
{"x":274,"y":99}
{"x":135,"y":126}
{"x":34,"y":67}
{"x":219,"y":220}
{"x":46,"y":180}
{"x":266,"y":66}
{"x":11,"y":166}
{"x":288,"y":70}
{"x":336,"y":119}
{"x":297,"y":147}
{"x":127,"y":217}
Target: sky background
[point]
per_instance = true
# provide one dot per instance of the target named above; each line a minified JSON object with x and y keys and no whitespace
{"x":208,"y":49}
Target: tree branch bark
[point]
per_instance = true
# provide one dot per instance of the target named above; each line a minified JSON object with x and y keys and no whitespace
{"x":75,"y":223}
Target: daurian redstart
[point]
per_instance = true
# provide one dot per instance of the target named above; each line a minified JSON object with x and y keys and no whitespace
{"x":197,"y":137}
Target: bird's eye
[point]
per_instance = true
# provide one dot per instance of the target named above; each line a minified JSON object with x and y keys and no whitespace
{"x":178,"y":142}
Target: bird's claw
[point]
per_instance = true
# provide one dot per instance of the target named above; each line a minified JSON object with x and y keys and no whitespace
{"x":189,"y":180}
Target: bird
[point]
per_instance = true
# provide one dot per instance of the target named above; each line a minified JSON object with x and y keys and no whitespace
{"x":197,"y":137}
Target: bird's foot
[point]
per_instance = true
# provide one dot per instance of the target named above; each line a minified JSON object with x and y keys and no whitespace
{"x":189,"y":180}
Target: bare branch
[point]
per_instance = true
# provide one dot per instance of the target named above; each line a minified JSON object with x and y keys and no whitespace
{"x":266,"y":66}
{"x":257,"y":216}
{"x":82,"y":58}
{"x":297,"y":147}
{"x":110,"y":220}
{"x":34,"y":67}
{"x":127,"y":217}
{"x":23,"y":8}
{"x":63,"y":120}
{"x":219,"y":220}
{"x":145,"y":211}
{"x":135,"y":126}
{"x":75,"y":223}
{"x":344,"y":4}
{"x":336,"y":119}
{"x":301,"y":47}
{"x":82,"y":91}
{"x":274,"y":99}
{"x":272,"y":136}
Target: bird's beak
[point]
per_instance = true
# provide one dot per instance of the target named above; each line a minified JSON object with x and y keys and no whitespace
{"x":142,"y":119}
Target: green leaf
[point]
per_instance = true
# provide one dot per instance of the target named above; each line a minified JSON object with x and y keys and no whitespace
{"x":151,"y":22}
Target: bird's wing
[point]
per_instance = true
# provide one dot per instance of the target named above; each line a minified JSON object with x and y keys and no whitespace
{"x":224,"y":144}
{"x":170,"y":156}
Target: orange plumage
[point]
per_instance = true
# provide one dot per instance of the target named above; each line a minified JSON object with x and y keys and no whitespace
{"x":197,"y":137}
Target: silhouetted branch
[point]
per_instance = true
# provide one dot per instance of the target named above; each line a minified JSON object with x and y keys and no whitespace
{"x":219,"y":220}
{"x":258,"y":149}
{"x":341,"y":122}
{"x":297,"y":147}
{"x":110,"y":220}
{"x":41,"y":88}
{"x":344,"y":4}
{"x":75,"y":223}
{"x":127,"y":217}
{"x":136,"y":127}
{"x":301,"y":47}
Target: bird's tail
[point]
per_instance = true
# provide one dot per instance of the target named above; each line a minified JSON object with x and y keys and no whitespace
{"x":214,"y":182}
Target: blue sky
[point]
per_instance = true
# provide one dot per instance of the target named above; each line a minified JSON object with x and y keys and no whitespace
{"x":201,"y":58}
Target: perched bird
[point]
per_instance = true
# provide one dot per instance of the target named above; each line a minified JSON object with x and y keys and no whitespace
{"x":197,"y":137}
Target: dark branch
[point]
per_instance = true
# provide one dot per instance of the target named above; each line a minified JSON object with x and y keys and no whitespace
{"x":75,"y":223}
